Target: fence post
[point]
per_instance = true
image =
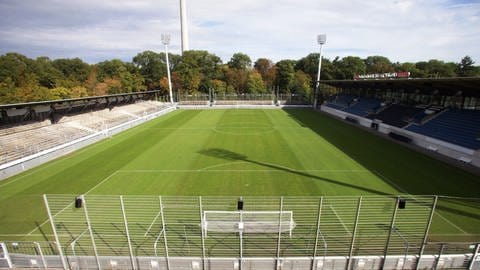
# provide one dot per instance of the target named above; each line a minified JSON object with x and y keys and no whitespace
{"x":425,"y":235}
{"x":474,"y":256}
{"x":6,"y":255}
{"x":164,"y":233}
{"x":39,"y":249}
{"x":390,"y":233}
{"x":314,"y":265}
{"x":89,"y":226}
{"x":54,"y":230}
{"x":439,"y":255}
{"x":134,"y":267}
{"x":240,"y":233}
{"x":202,"y":225}
{"x":359,"y":205}
{"x":279,"y":232}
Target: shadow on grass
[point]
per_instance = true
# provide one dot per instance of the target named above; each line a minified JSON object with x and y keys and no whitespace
{"x":232,"y":156}
{"x":400,"y":167}
{"x":44,"y":235}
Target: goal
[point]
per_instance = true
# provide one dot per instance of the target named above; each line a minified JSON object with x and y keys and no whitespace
{"x":248,"y":221}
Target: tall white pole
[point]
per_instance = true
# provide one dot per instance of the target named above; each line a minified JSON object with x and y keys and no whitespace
{"x":321,"y":40}
{"x":165,"y":41}
{"x":184,"y":26}
{"x":54,"y":230}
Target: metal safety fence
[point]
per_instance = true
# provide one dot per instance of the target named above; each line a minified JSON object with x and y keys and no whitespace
{"x":223,"y":99}
{"x":164,"y":232}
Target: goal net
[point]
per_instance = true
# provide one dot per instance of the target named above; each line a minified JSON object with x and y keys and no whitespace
{"x":248,"y":221}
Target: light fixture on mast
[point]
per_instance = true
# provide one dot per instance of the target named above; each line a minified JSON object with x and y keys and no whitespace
{"x":321,"y":39}
{"x":166,"y":41}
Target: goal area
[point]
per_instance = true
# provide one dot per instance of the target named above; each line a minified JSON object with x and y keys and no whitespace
{"x":248,"y":221}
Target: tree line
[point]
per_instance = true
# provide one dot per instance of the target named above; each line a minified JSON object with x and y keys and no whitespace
{"x":26,"y":80}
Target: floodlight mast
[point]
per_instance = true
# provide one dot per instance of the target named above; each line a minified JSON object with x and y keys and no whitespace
{"x":321,"y":39}
{"x":166,"y":41}
{"x":184,"y":26}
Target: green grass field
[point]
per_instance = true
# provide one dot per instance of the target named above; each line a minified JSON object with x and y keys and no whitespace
{"x":248,"y":153}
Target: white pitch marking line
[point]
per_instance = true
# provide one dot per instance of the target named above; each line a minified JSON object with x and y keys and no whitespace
{"x":260,"y":170}
{"x":151,"y":225}
{"x":403,"y":190}
{"x":221,"y":165}
{"x":339,"y":219}
{"x":449,"y":222}
{"x":68,"y":205}
{"x":104,"y":180}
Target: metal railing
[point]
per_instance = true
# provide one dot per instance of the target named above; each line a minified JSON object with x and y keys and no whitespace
{"x":156,"y":232}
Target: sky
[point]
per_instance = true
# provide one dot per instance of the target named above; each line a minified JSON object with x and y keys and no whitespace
{"x":98,"y":30}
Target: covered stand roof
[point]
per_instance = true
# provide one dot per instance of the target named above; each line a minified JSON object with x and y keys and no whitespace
{"x":445,"y":86}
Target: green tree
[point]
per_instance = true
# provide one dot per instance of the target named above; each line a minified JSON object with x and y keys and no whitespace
{"x":18,"y":68}
{"x":466,"y":67}
{"x":153,"y":66}
{"x":236,"y":79}
{"x":219,"y":86}
{"x":378,"y":64}
{"x":267,"y":70}
{"x":240,"y":61}
{"x":309,"y":65}
{"x":302,"y":84}
{"x":48,"y":76}
{"x":129,"y":76}
{"x":73,"y":69}
{"x":8,"y":91}
{"x":197,"y":69}
{"x":412,"y":68}
{"x":348,"y":67}
{"x":285,"y":74}
{"x":78,"y":92}
{"x":255,"y":83}
{"x":58,"y":93}
{"x":436,"y":68}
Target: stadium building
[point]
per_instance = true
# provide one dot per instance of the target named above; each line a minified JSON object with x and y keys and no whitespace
{"x":382,"y":175}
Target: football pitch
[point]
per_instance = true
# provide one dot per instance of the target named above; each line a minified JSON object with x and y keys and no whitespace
{"x":243,"y":152}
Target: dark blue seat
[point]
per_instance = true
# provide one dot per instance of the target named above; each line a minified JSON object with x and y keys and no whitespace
{"x":460,"y":127}
{"x":364,"y":106}
{"x":396,"y":115}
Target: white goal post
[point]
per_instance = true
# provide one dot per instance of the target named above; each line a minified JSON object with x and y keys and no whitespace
{"x":248,"y":221}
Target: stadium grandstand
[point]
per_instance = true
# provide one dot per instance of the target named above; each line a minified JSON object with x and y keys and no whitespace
{"x":441,"y":115}
{"x":31,"y":131}
{"x":219,"y":188}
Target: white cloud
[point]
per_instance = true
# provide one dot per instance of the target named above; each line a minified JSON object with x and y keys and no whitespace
{"x":403,"y":30}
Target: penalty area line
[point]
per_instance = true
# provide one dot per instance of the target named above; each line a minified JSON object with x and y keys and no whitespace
{"x":151,"y":224}
{"x":412,"y":197}
{"x":340,"y":219}
{"x":450,"y":223}
{"x":240,"y":170}
{"x":70,"y":204}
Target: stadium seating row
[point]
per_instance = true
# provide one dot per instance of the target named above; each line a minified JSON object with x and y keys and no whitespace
{"x":354,"y":105}
{"x":23,"y":140}
{"x":460,"y":127}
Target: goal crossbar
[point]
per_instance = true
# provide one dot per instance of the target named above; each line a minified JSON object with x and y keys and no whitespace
{"x":248,"y":221}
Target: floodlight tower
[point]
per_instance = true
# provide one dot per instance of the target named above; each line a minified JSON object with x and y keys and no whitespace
{"x":166,"y":41}
{"x":184,"y":26}
{"x":321,"y":39}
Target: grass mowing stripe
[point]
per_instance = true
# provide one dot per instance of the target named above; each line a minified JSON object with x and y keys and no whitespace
{"x":436,"y":213}
{"x":304,"y":153}
{"x":69,"y":205}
